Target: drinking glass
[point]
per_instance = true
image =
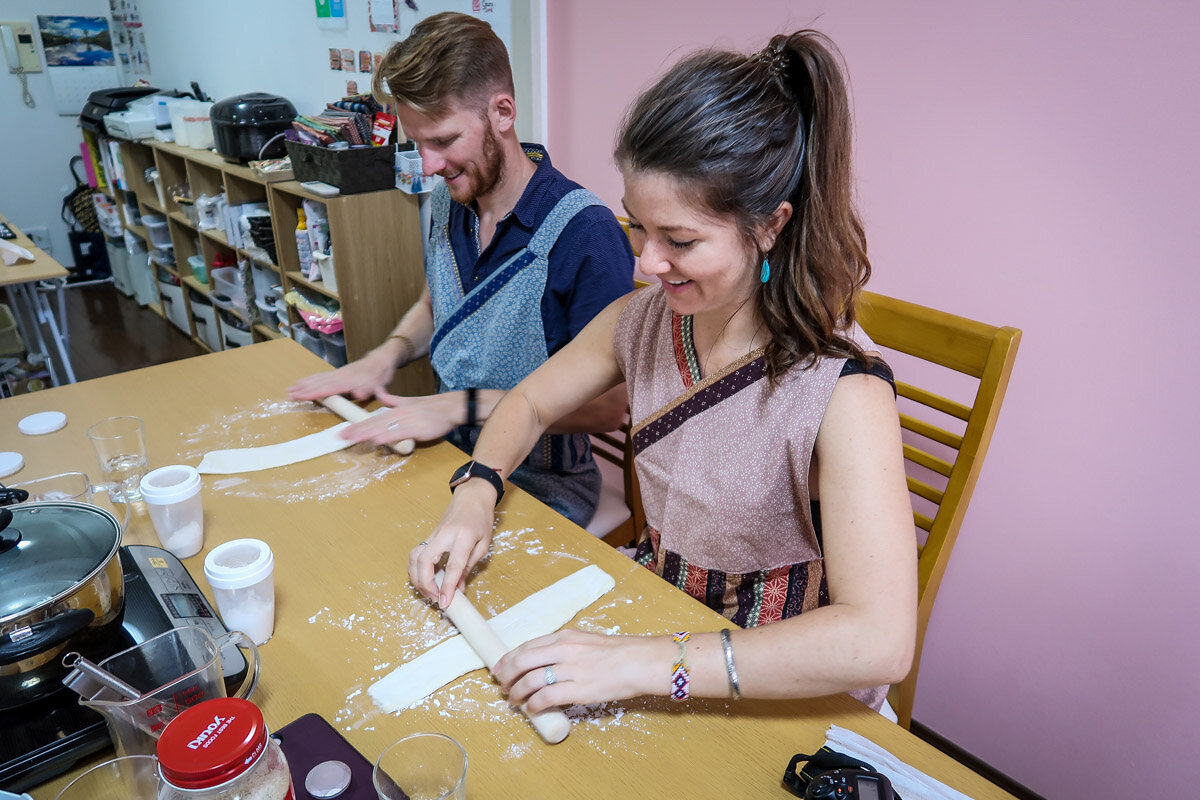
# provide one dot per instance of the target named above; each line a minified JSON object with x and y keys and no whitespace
{"x":121,"y":451}
{"x":125,"y":778}
{"x":422,"y":766}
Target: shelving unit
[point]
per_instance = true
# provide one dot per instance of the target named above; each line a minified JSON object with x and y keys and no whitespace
{"x":376,"y":242}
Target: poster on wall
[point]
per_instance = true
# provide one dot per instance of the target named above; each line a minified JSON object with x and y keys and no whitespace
{"x":129,"y":38}
{"x":79,"y":59}
{"x":384,"y":15}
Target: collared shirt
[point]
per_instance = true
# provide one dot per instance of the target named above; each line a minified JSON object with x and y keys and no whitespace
{"x":590,"y":266}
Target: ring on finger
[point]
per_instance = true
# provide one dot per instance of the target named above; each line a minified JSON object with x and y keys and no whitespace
{"x":393,"y":426}
{"x":422,"y":544}
{"x":551,"y":678}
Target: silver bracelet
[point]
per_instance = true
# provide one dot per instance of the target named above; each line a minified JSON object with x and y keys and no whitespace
{"x":730,"y":669}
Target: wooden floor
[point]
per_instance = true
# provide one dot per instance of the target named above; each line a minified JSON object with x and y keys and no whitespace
{"x":109,"y":333}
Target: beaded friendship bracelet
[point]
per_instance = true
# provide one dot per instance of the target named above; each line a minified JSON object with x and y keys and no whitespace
{"x":680,"y":679}
{"x":730,"y":669}
{"x":409,"y":349}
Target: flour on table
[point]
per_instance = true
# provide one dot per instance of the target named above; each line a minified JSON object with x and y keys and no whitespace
{"x":272,"y":422}
{"x":541,"y":613}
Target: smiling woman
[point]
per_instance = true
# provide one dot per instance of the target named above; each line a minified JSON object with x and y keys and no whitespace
{"x":764,"y":428}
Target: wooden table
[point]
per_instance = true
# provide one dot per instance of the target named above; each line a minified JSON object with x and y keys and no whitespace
{"x":341,"y":527}
{"x":31,"y":307}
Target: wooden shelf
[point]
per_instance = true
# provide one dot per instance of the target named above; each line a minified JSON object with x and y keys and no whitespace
{"x":297,"y":277}
{"x":376,"y":237}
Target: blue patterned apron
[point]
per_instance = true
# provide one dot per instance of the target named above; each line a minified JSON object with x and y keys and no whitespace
{"x":492,"y":337}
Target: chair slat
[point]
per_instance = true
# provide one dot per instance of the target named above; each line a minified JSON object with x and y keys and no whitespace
{"x":930,"y":431}
{"x":934,"y":401}
{"x":922,"y":489}
{"x":954,"y":342}
{"x":930,"y":462}
{"x":923,"y":522}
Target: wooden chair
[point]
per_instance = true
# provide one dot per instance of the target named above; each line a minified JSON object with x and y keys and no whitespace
{"x":617,"y":448}
{"x":945,"y":440}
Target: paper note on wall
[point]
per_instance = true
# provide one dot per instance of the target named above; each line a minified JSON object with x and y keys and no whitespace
{"x":72,"y":85}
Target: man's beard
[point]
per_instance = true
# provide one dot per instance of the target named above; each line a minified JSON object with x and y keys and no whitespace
{"x":486,"y":174}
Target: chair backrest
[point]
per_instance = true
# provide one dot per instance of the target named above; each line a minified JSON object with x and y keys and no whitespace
{"x":945,"y":440}
{"x":617,"y":448}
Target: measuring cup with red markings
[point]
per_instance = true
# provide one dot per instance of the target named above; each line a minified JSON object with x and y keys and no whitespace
{"x":173,"y":671}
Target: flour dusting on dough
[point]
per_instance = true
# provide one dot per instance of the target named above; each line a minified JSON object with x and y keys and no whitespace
{"x":272,"y":422}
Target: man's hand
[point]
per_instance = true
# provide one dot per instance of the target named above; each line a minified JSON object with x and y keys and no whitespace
{"x":361,"y":379}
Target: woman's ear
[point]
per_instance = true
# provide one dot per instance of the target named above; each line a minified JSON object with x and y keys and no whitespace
{"x":771,"y":228}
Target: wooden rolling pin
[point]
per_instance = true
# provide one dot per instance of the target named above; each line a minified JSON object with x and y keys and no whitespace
{"x":352,"y":412}
{"x":552,"y":724}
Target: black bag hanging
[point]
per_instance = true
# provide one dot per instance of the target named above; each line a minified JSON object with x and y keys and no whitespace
{"x":78,"y":210}
{"x":87,"y":241}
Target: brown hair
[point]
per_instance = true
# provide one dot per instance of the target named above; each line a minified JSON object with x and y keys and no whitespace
{"x":746,"y":133}
{"x":447,"y":58}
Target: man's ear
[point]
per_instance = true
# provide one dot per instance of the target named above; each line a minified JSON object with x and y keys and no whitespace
{"x":502,"y":112}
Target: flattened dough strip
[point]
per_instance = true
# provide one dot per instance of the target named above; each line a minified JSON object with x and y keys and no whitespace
{"x":254,"y":459}
{"x":543,"y":612}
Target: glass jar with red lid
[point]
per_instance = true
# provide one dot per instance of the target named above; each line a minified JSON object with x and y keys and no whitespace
{"x":220,"y":750}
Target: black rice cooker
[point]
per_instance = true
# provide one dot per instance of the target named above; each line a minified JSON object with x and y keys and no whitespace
{"x":61,"y":590}
{"x":245,"y":123}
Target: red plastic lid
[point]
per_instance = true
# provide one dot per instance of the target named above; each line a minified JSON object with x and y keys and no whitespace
{"x":211,"y":743}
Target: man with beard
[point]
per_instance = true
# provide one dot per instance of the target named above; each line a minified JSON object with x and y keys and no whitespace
{"x":518,"y":261}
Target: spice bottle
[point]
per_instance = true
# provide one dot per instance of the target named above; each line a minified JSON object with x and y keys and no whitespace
{"x":220,"y":750}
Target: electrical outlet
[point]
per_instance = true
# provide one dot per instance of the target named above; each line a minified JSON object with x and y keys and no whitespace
{"x":41,"y":237}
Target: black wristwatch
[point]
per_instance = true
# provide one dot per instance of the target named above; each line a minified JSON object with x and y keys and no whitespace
{"x":473,"y":469}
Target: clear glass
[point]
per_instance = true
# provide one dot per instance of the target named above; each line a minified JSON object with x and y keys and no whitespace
{"x":125,"y":778}
{"x":121,"y":451}
{"x":78,"y":487}
{"x":267,"y":779}
{"x":422,"y":766}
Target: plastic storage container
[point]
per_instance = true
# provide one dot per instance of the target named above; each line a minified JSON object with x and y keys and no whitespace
{"x":156,"y":229}
{"x":172,"y":301}
{"x":118,"y":262}
{"x":235,"y":331}
{"x":205,"y":317}
{"x":335,"y":348}
{"x":172,"y":496}
{"x":237,"y":759}
{"x":227,"y":281}
{"x":199,"y":268}
{"x":309,"y":338}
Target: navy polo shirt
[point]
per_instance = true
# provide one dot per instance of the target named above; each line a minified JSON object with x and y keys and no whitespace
{"x":590,"y":265}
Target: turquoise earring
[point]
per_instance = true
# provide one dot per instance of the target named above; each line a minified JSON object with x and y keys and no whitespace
{"x":765,"y":275}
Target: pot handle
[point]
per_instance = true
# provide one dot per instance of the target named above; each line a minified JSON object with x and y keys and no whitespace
{"x":253,"y":662}
{"x":32,"y":639}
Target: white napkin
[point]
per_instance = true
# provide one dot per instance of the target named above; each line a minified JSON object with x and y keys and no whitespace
{"x":909,"y":783}
{"x":13,"y":253}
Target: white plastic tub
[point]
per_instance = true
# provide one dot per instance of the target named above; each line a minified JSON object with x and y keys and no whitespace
{"x":156,"y":229}
{"x":205,"y":317}
{"x":172,"y":305}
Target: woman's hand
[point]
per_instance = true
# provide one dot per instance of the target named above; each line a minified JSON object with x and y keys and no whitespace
{"x":361,"y":379}
{"x":587,"y":668}
{"x":461,"y":537}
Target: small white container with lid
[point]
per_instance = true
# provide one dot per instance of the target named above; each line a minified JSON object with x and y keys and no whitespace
{"x":172,"y":496}
{"x":241,"y":574}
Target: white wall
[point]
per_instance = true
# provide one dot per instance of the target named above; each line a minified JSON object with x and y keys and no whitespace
{"x":35,"y":143}
{"x":229,"y":47}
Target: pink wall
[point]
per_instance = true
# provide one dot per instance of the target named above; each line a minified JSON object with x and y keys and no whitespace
{"x":1029,"y":164}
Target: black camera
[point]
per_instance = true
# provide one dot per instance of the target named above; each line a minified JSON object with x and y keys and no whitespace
{"x":849,"y":783}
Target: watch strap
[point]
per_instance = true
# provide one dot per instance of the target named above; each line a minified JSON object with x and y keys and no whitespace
{"x":473,"y":469}
{"x":472,"y":408}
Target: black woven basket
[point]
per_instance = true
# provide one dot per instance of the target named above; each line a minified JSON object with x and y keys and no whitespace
{"x":362,"y":169}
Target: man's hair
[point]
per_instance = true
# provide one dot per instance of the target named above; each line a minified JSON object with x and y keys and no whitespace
{"x":447,"y":59}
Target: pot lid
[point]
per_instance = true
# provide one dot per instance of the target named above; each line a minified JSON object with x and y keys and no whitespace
{"x":47,"y":550}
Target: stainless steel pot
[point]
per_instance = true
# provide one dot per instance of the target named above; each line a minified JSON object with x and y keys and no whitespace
{"x":61,"y":589}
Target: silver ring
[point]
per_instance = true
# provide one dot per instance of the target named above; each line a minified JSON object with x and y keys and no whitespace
{"x":551,"y":678}
{"x":422,"y":544}
{"x":393,"y":426}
